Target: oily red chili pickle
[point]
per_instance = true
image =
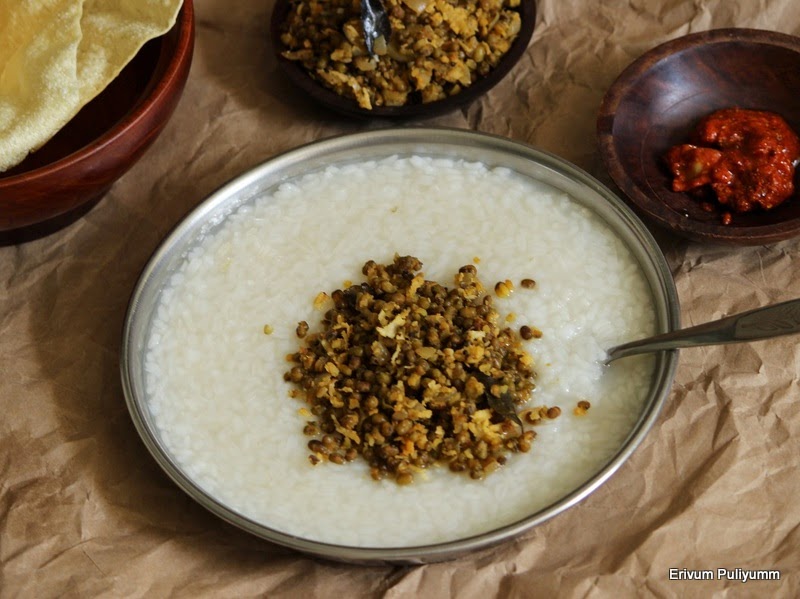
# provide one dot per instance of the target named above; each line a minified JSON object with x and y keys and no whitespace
{"x":746,"y":157}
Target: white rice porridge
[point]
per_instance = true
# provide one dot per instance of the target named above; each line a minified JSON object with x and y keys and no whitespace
{"x":215,"y":382}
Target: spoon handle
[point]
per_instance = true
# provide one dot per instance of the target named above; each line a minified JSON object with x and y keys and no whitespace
{"x":761,"y":323}
{"x":375,"y":22}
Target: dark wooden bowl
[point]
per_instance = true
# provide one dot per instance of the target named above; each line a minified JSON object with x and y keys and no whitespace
{"x":79,"y":164}
{"x":659,"y":98}
{"x":346,"y":106}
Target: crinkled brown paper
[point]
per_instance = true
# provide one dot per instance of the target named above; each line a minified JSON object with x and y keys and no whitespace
{"x":85,"y":511}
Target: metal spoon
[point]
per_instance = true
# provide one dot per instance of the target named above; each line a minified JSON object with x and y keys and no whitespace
{"x":375,"y":22}
{"x":753,"y":325}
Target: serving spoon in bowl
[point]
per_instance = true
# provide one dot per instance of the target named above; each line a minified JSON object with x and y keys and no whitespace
{"x":753,"y":325}
{"x":375,"y":23}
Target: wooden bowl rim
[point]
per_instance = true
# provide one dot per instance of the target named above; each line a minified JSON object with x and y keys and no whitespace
{"x":349,"y":107}
{"x":161,"y":88}
{"x":668,"y":218}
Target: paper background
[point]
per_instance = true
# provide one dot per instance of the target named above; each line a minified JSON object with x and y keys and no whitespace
{"x":85,"y":511}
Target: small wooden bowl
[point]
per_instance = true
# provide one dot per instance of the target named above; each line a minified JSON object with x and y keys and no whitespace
{"x":660,"y":97}
{"x":349,"y":107}
{"x":69,"y":174}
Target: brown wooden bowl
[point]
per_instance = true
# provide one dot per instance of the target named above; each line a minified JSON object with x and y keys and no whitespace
{"x":349,"y":107}
{"x":659,"y":98}
{"x":73,"y":170}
